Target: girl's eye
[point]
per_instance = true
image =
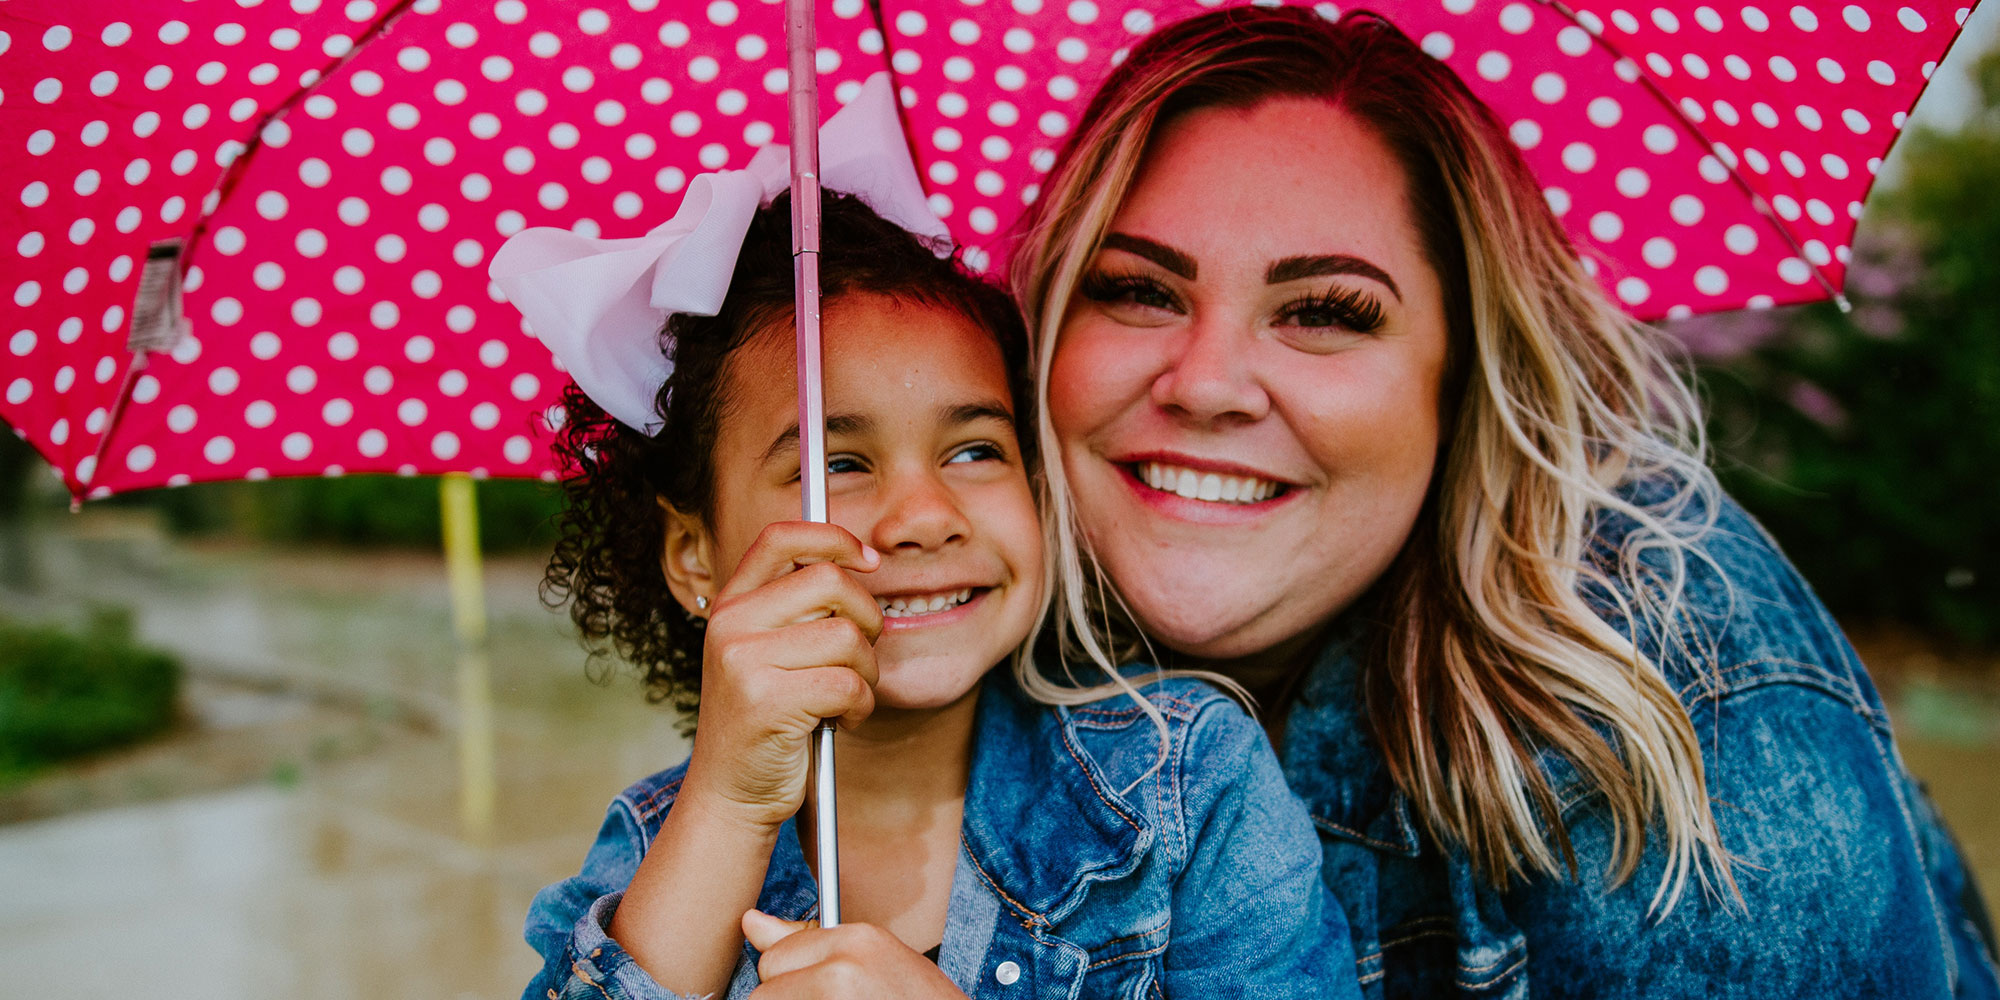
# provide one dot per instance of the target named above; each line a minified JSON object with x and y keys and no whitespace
{"x":981,"y":452}
{"x":837,"y":464}
{"x":1336,"y":308}
{"x":1127,"y":290}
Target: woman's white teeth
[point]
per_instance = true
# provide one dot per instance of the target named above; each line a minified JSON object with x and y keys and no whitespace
{"x":910,"y":607}
{"x":1206,"y":485}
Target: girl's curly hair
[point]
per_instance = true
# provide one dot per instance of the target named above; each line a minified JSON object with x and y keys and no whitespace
{"x":606,"y":565}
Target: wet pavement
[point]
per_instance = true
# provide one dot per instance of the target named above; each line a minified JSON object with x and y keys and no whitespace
{"x":300,"y":835}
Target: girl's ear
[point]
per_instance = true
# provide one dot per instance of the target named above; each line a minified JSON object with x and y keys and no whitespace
{"x":688,"y":560}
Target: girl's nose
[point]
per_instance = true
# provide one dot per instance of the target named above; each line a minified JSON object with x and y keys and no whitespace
{"x":920,"y":513}
{"x":1209,"y":377}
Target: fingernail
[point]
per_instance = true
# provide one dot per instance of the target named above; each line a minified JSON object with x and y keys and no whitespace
{"x":868,"y":553}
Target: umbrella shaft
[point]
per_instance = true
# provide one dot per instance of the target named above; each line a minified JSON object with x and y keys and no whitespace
{"x":801,"y":49}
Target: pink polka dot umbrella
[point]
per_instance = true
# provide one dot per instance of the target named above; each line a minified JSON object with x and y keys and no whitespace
{"x":338,"y":174}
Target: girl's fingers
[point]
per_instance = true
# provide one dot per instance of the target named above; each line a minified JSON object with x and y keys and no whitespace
{"x":814,"y":591}
{"x":825,"y":642}
{"x":764,"y":931}
{"x":804,"y":949}
{"x":786,"y":545}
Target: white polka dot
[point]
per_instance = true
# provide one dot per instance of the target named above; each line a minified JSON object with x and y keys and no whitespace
{"x":310,"y":243}
{"x":1783,"y":69}
{"x":1910,"y":19}
{"x":226,"y":311}
{"x":1794,"y":271}
{"x":468,"y":252}
{"x":372,"y":443}
{"x":1549,"y":88}
{"x":517,"y":450}
{"x":411,"y":412}
{"x":1525,"y":133}
{"x":525,"y":387}
{"x":1711,"y":280}
{"x":1579,"y":157}
{"x":218,"y":450}
{"x":336,"y":412}
{"x":140,"y":458}
{"x":1633,"y":291}
{"x":1494,"y":66}
{"x":1658,"y":252}
{"x":181,"y":419}
{"x":1786,"y":206}
{"x":1516,"y":18}
{"x":1686,"y":209}
{"x":306,"y":311}
{"x":453,"y":383}
{"x":260,"y":414}
{"x":343,"y":346}
{"x":357,"y":142}
{"x":458,"y":319}
{"x":1604,"y":112}
{"x":1437,"y":45}
{"x":1831,"y":71}
{"x":1606,"y":227}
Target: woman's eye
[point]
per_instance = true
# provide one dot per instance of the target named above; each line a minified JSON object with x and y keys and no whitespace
{"x":1338,"y":308}
{"x":1128,"y":290}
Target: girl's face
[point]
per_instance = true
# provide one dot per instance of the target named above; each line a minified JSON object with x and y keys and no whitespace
{"x":922,"y":464}
{"x":1246,"y":388}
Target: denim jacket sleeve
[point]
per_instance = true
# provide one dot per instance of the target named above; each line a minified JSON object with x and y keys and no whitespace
{"x":567,"y":923}
{"x":1251,"y":917}
{"x":1845,"y":875}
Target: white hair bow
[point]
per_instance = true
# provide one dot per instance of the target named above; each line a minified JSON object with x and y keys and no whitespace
{"x":600,"y":305}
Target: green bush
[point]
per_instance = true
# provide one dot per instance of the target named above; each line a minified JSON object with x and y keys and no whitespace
{"x":64,"y":694}
{"x":354,"y":510}
{"x":1867,"y":441}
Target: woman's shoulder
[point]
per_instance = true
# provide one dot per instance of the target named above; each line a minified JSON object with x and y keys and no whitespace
{"x":1734,"y":616}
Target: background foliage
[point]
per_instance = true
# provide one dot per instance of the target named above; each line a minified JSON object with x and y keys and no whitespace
{"x":65,"y":694}
{"x":1868,"y":442}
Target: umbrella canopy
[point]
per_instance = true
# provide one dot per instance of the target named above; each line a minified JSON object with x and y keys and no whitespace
{"x":339,"y":174}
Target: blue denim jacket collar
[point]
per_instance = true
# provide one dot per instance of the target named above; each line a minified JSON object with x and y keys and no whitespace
{"x":1349,"y":791}
{"x":1020,"y":773}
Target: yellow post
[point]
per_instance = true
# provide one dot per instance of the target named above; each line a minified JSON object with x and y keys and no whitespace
{"x":477,"y":780}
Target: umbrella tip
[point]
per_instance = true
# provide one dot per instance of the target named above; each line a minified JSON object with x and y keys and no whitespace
{"x":1842,"y":301}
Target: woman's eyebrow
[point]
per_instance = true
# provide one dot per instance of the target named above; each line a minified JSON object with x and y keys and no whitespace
{"x":1159,"y":253}
{"x":1294,"y":268}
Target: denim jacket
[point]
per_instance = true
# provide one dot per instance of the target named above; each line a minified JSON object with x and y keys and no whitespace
{"x":1850,"y":885}
{"x":1083,"y":871}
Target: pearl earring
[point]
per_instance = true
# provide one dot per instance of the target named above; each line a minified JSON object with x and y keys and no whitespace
{"x":700,"y":603}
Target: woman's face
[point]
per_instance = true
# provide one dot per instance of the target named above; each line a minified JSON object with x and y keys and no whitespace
{"x":1246,"y":387}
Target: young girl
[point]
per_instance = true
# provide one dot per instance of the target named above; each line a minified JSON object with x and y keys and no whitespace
{"x":991,"y":845}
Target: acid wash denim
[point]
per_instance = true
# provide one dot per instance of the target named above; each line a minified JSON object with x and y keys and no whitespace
{"x":1850,"y":885}
{"x":1083,"y":869}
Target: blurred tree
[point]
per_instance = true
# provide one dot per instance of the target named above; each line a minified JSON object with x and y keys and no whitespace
{"x":1868,"y":442}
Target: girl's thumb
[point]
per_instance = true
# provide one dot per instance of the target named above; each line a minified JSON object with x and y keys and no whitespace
{"x":764,"y":931}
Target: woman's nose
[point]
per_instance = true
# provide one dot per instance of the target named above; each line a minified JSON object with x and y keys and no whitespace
{"x":920,"y":513}
{"x":1209,"y":377}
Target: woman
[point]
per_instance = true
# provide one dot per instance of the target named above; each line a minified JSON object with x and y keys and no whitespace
{"x":1341,"y":417}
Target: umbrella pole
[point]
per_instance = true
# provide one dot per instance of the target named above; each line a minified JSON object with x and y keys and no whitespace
{"x":477,"y":788}
{"x":801,"y":48}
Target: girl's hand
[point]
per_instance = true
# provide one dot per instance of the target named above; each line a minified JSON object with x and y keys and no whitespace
{"x":852,"y":960}
{"x":789,"y":642}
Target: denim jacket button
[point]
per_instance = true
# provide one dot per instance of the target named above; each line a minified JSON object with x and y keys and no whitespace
{"x":1006,"y":973}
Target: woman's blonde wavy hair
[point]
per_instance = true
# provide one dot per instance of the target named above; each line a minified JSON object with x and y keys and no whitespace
{"x":1558,"y":399}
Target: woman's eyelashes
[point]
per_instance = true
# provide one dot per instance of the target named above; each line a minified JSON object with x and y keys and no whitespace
{"x":1135,"y":291}
{"x":1338,"y":307}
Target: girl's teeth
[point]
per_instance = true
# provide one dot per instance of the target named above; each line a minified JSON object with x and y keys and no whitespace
{"x":1211,"y":487}
{"x":910,"y":607}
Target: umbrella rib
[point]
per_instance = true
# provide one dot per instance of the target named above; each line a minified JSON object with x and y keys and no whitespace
{"x":1688,"y":125}
{"x":211,"y":204}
